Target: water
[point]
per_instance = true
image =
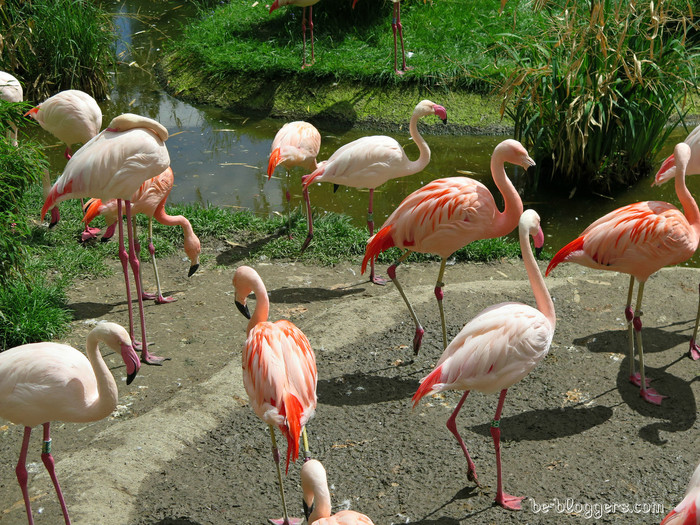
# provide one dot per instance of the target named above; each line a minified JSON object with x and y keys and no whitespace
{"x":220,"y":158}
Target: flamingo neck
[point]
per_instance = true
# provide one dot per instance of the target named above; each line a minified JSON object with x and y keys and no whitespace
{"x":107,"y":393}
{"x":262,"y":304}
{"x":539,"y":288}
{"x":690,"y":207}
{"x":507,"y":220}
{"x":321,"y":502}
{"x":424,"y":158}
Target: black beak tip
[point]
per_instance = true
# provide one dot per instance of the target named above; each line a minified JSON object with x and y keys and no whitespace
{"x":193,"y":269}
{"x":444,"y":121}
{"x":130,"y":377}
{"x":243,"y":309}
{"x":538,"y":251}
{"x":52,"y":224}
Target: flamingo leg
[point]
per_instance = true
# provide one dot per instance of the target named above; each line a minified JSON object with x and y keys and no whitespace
{"x":439,"y":296}
{"x":635,"y":378}
{"x":311,"y":31}
{"x":649,"y":394}
{"x":370,"y":226}
{"x":46,"y":185}
{"x":694,"y":351}
{"x":137,"y":246}
{"x":396,"y":26}
{"x":286,"y":520}
{"x":391,"y":272}
{"x":288,"y":195}
{"x":305,"y":440}
{"x":303,"y":32}
{"x":21,"y":472}
{"x":309,"y":222}
{"x":152,"y":250}
{"x":47,"y":458}
{"x":502,"y":498}
{"x":124,"y":258}
{"x":452,"y":426}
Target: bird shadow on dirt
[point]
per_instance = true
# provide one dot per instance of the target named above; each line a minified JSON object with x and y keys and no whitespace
{"x":309,"y":294}
{"x":654,"y":340}
{"x":360,"y":388}
{"x":463,"y":494}
{"x":237,"y":252}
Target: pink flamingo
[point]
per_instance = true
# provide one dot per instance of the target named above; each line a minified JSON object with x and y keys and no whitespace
{"x":73,"y":117}
{"x":447,"y":214}
{"x":11,"y":90}
{"x":303,"y":4}
{"x":317,"y":499}
{"x":296,"y":144}
{"x":396,"y":26}
{"x":369,"y":162}
{"x":687,"y":512}
{"x":149,"y":199}
{"x":639,"y":239}
{"x":497,"y":349}
{"x":113,"y":165}
{"x":666,"y":172}
{"x":279,"y":373}
{"x":44,"y":382}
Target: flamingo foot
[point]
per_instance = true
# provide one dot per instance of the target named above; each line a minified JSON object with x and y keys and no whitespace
{"x":288,"y":521}
{"x":151,"y":359}
{"x":55,"y":217}
{"x":147,"y":296}
{"x":307,"y":241}
{"x":694,"y":352}
{"x":89,"y":233}
{"x":509,"y":502}
{"x":417,"y":339}
{"x":378,"y":280}
{"x":165,"y":300}
{"x":636,"y":380}
{"x":651,"y":396}
{"x":471,"y":475}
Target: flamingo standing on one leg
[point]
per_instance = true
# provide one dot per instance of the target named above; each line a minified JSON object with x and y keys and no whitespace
{"x":639,"y":239}
{"x":44,"y":382}
{"x":317,"y":499}
{"x":303,"y":4}
{"x":447,"y":214}
{"x":687,"y":512}
{"x":296,"y":144}
{"x":113,"y":165}
{"x":369,"y":162}
{"x":11,"y":90}
{"x":279,"y":373}
{"x":497,"y":349}
{"x":666,"y":172}
{"x":73,"y":117}
{"x":396,"y":27}
{"x":149,"y":199}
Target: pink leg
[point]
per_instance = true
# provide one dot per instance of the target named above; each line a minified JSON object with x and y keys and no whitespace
{"x":124,"y":258}
{"x":503,"y":499}
{"x":452,"y":426}
{"x":370,"y":226}
{"x":109,"y":232}
{"x":47,"y":458}
{"x":311,"y":31}
{"x":309,"y":221}
{"x":285,"y":520}
{"x":303,"y":32}
{"x":694,"y":350}
{"x":418,"y":337}
{"x":396,"y":26}
{"x":146,"y":357}
{"x":21,"y":471}
{"x":288,"y":196}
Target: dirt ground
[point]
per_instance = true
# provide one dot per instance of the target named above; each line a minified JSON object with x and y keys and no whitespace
{"x":184,"y":447}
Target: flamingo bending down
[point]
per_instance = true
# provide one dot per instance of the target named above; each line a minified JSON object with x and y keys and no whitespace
{"x":447,"y":214}
{"x":44,"y":382}
{"x":497,"y":349}
{"x":296,"y":144}
{"x":396,"y":26}
{"x":639,"y":239}
{"x":279,"y":373}
{"x":149,"y":199}
{"x":73,"y":117}
{"x":369,"y":162}
{"x":113,"y":165}
{"x":303,"y":4}
{"x":317,"y":499}
{"x":666,"y":172}
{"x":687,"y":512}
{"x":11,"y":90}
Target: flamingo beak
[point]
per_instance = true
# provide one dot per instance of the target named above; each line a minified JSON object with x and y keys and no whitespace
{"x":193,"y":269}
{"x":243,"y":309}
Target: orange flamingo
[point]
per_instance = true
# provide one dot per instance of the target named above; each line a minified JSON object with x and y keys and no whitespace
{"x":666,"y":172}
{"x":687,"y":512}
{"x":114,"y":164}
{"x":279,"y":373}
{"x":447,"y":214}
{"x":296,"y":144}
{"x":497,"y":349}
{"x":149,"y":200}
{"x":317,"y":499}
{"x":303,"y":4}
{"x":44,"y":382}
{"x":11,"y":90}
{"x":639,"y":239}
{"x":396,"y":27}
{"x":369,"y":162}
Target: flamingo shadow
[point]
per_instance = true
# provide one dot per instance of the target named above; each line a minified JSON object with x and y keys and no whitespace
{"x":462,"y":494}
{"x":238,"y":253}
{"x":88,"y":310}
{"x":176,"y":521}
{"x":359,"y":388}
{"x":655,"y":340}
{"x":309,"y":295}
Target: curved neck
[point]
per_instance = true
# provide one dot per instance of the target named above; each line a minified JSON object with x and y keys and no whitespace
{"x":172,"y":220}
{"x":507,"y":220}
{"x":262,"y":304}
{"x":690,"y":207}
{"x":321,"y":503}
{"x":107,"y":393}
{"x":424,"y":158}
{"x":539,"y":288}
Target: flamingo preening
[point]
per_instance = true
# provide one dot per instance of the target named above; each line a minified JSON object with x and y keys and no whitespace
{"x":11,"y":91}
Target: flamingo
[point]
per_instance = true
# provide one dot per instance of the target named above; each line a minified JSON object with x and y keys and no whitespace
{"x":396,"y":26}
{"x":149,"y":199}
{"x":11,"y":90}
{"x":639,"y":239}
{"x":687,"y":512}
{"x":303,"y":4}
{"x":666,"y":172}
{"x":447,"y":214}
{"x":73,"y":117}
{"x":296,"y":144}
{"x":113,"y":165}
{"x":497,"y":349}
{"x":317,"y":499}
{"x":279,"y":373}
{"x":369,"y":162}
{"x":44,"y":382}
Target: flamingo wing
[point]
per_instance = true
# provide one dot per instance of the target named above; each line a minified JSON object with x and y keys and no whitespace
{"x":345,"y":517}
{"x":72,"y":116}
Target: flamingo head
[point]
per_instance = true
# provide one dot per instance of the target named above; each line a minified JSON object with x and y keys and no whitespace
{"x":193,"y":248}
{"x":666,"y":172}
{"x":33,"y":112}
{"x":127,"y":121}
